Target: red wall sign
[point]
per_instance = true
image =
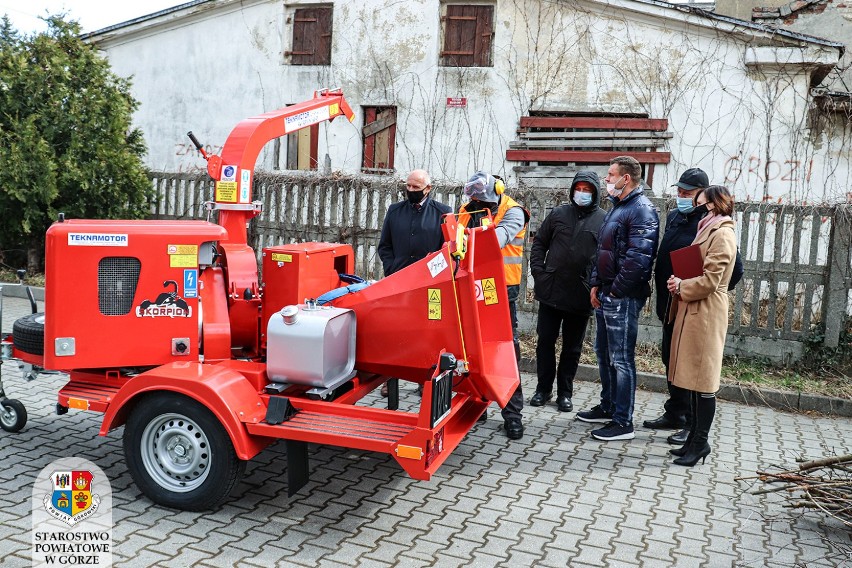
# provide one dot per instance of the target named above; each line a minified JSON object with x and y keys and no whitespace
{"x":456,"y":102}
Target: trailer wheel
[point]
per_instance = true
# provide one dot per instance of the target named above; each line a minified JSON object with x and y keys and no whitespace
{"x":13,"y":415}
{"x":179,"y":454}
{"x":28,"y":334}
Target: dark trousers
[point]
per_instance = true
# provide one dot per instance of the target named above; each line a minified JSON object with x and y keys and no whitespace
{"x":512,"y":410}
{"x":573,"y":326}
{"x":677,"y":406}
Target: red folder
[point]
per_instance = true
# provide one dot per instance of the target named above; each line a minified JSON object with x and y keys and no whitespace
{"x":687,"y":262}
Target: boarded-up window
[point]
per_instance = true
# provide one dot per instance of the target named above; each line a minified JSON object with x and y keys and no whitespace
{"x":379,"y":134}
{"x":311,"y":36}
{"x":468,"y":34}
{"x":298,"y":150}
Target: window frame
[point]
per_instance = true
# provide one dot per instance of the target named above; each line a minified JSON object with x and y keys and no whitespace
{"x":369,"y":138}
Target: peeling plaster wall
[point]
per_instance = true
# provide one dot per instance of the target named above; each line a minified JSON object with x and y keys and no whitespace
{"x":748,"y":125}
{"x":831,"y":19}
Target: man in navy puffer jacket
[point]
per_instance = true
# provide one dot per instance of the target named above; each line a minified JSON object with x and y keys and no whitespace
{"x":627,"y":245}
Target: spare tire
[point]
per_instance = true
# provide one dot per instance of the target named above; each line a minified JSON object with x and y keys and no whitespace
{"x":28,"y":334}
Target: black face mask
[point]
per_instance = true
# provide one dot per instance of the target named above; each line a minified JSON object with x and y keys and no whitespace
{"x":701,"y":210}
{"x":415,"y":197}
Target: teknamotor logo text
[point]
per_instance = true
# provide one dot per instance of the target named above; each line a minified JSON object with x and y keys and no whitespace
{"x":97,"y":239}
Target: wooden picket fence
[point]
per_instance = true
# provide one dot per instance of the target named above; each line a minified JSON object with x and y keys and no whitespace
{"x":797,"y":258}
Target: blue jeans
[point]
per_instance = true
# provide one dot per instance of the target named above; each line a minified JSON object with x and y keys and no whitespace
{"x":615,"y":345}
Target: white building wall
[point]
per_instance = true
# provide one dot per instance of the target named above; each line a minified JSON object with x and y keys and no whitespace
{"x":745,"y":121}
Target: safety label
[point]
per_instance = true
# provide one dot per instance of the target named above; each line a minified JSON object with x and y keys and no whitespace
{"x":434,"y":302}
{"x":190,"y":283}
{"x":477,"y":288}
{"x":489,"y":291}
{"x":437,"y":264}
{"x":183,"y":260}
{"x":183,"y":249}
{"x":278,"y":257}
{"x":226,"y":188}
{"x":245,"y":185}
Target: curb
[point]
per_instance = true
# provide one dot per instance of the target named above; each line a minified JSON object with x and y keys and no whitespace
{"x":12,"y":290}
{"x":752,"y":396}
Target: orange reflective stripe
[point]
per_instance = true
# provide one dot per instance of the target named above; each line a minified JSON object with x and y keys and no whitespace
{"x":513,"y":252}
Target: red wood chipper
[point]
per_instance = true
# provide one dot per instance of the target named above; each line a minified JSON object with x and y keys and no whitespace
{"x":165,"y":328}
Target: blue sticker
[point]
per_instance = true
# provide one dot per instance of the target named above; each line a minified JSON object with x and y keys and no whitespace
{"x":229,"y":171}
{"x":190,"y":283}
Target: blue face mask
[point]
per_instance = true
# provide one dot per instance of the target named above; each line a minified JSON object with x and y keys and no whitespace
{"x":684,"y":205}
{"x":582,"y":199}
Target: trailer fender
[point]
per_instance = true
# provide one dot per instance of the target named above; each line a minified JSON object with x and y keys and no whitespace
{"x":225,"y":392}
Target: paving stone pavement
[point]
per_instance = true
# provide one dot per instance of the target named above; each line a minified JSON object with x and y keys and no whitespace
{"x":555,"y":498}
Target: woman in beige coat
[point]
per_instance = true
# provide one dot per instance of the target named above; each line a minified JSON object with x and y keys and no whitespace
{"x":700,"y":307}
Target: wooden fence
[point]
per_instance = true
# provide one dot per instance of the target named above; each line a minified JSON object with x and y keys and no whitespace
{"x":797,"y":258}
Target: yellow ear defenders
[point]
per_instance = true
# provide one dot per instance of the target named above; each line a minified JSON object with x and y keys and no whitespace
{"x":499,"y":186}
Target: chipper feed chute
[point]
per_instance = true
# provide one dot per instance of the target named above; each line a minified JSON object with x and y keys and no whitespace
{"x":441,"y":302}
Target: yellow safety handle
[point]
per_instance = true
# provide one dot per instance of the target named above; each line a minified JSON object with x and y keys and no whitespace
{"x":461,"y":243}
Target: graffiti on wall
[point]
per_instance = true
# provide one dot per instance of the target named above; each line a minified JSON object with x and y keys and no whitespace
{"x":755,"y":169}
{"x":187,"y":151}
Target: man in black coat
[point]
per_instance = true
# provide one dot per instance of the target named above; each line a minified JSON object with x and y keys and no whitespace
{"x":681,"y":227}
{"x":560,"y":261}
{"x":412,"y":228}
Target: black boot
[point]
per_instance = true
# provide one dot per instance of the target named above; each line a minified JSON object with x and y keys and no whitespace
{"x":681,"y":451}
{"x":705,"y":410}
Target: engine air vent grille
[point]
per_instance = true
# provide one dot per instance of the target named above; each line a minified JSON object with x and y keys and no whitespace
{"x":117,"y":280}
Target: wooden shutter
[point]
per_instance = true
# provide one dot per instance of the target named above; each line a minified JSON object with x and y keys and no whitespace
{"x":311,"y":36}
{"x":468,"y":31}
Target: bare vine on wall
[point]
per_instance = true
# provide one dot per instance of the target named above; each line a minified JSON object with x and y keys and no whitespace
{"x":757,"y":128}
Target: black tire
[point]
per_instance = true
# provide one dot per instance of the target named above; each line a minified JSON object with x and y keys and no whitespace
{"x":28,"y":334}
{"x":198,"y":476}
{"x":13,"y":415}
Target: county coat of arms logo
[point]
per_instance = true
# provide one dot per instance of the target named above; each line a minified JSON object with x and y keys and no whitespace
{"x":72,"y":499}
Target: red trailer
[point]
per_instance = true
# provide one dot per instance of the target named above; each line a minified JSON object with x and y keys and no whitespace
{"x":165,"y":328}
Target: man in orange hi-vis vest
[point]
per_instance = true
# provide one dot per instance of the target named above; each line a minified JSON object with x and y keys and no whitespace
{"x":510,"y":219}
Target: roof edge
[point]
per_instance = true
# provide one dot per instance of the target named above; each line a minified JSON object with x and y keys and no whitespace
{"x":734,"y":22}
{"x":141,"y":19}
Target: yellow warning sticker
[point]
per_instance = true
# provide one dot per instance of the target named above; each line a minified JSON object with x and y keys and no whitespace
{"x":279,"y":257}
{"x":226,"y":191}
{"x":333,"y":109}
{"x":434,"y":303}
{"x":183,"y":260}
{"x":489,"y":290}
{"x":183,"y":249}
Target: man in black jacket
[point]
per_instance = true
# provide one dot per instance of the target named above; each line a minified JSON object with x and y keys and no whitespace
{"x":412,"y":228}
{"x":560,"y":261}
{"x":681,"y":227}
